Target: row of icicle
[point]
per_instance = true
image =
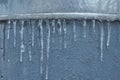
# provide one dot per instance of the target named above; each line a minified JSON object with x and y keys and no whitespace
{"x":40,"y":24}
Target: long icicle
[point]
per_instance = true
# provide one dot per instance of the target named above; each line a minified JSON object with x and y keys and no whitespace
{"x":74,"y":30}
{"x":22,"y":43}
{"x":84,"y":26}
{"x":60,"y":32}
{"x":94,"y":23}
{"x":109,"y":32}
{"x":30,"y":45}
{"x":8,"y":31}
{"x":101,"y":42}
{"x":48,"y":50}
{"x":14,"y":28}
{"x":33,"y":30}
{"x":65,"y":32}
{"x":42,"y":45}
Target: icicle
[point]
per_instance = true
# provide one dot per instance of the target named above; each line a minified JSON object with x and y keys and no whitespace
{"x":65,"y":32}
{"x":14,"y":28}
{"x":53,"y":31}
{"x":22,"y":43}
{"x":109,"y":32}
{"x":30,"y":56}
{"x":101,"y":42}
{"x":33,"y":32}
{"x":74,"y":30}
{"x":93,"y":25}
{"x":84,"y":25}
{"x":60,"y":32}
{"x":30,"y":46}
{"x":8,"y":32}
{"x":42,"y":45}
{"x":53,"y":24}
{"x":48,"y":50}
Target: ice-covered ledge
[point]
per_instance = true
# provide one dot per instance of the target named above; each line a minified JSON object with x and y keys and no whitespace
{"x":74,"y":15}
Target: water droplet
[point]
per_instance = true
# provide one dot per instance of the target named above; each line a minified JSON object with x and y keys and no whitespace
{"x":8,"y":60}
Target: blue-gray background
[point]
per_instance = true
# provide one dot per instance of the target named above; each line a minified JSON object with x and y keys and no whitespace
{"x":79,"y":61}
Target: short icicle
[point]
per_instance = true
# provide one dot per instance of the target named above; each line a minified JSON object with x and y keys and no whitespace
{"x":22,"y":42}
{"x":74,"y":30}
{"x":84,"y":26}
{"x":8,"y":31}
{"x":42,"y":46}
{"x":53,"y":24}
{"x":94,"y":24}
{"x":14,"y":28}
{"x":60,"y":32}
{"x":109,"y":32}
{"x":101,"y":42}
{"x":53,"y":31}
{"x":65,"y":33}
{"x":48,"y":50}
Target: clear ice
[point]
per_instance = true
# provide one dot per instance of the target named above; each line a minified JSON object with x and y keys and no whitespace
{"x":101,"y":41}
{"x":65,"y":33}
{"x":48,"y":50}
{"x":74,"y":30}
{"x":14,"y":28}
{"x":22,"y":42}
{"x":109,"y":32}
{"x":84,"y":26}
